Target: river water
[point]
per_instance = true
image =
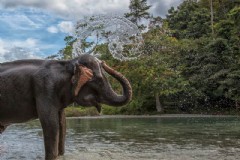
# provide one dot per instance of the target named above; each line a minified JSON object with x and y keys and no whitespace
{"x":130,"y":138}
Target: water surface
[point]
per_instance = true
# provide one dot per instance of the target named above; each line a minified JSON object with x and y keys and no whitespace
{"x":155,"y":138}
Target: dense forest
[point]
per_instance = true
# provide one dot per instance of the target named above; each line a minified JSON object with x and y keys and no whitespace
{"x":191,"y":60}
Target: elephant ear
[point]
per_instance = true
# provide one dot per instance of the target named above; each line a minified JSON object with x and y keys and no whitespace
{"x":81,"y":76}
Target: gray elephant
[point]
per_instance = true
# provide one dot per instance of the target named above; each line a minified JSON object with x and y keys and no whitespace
{"x":31,"y":89}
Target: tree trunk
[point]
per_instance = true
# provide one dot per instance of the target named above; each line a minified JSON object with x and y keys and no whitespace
{"x":159,"y":106}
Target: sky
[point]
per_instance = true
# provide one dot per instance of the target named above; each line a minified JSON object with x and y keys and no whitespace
{"x":36,"y":28}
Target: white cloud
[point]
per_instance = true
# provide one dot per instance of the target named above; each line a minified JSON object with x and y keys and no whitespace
{"x":18,"y":21}
{"x":52,"y":29}
{"x":17,"y":53}
{"x":2,"y":48}
{"x":77,"y":9}
{"x":28,"y":43}
{"x":73,"y":9}
{"x":66,"y":26}
{"x":13,"y":50}
{"x":160,"y":7}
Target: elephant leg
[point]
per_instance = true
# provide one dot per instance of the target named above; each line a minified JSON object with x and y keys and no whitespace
{"x":62,"y":133}
{"x":49,"y":118}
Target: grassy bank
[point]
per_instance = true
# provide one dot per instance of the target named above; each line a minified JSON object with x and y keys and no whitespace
{"x":78,"y":111}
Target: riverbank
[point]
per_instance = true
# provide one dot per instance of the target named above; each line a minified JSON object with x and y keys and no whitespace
{"x":152,"y":116}
{"x":80,"y":111}
{"x":111,"y":111}
{"x":106,"y":113}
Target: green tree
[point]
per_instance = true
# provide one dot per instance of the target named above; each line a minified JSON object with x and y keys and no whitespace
{"x":189,"y":20}
{"x":230,"y":30}
{"x":67,"y":51}
{"x":155,"y":22}
{"x":156,"y":75}
{"x":220,"y":8}
{"x":207,"y":65}
{"x":138,"y":10}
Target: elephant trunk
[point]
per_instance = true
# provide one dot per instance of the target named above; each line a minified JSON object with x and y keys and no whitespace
{"x":111,"y":97}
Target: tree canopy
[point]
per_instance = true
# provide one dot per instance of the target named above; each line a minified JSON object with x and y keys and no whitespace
{"x":138,"y":10}
{"x":185,"y":67}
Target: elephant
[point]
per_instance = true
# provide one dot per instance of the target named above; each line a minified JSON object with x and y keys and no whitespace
{"x":41,"y":89}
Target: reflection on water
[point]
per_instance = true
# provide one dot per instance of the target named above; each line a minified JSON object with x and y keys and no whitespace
{"x":131,"y":138}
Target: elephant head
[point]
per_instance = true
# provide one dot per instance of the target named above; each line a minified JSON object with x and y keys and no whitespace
{"x":92,"y":88}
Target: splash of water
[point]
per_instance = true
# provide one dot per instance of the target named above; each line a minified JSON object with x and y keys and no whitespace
{"x":123,"y":38}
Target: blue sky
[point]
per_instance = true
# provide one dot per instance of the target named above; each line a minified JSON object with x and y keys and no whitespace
{"x":36,"y":28}
{"x":39,"y":32}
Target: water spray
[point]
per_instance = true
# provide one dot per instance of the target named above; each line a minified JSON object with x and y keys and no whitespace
{"x":123,"y":38}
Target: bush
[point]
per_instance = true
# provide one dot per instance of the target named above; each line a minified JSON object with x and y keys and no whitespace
{"x":81,"y":111}
{"x":108,"y":110}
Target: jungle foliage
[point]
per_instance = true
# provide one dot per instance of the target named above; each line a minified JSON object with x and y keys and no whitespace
{"x":189,"y":65}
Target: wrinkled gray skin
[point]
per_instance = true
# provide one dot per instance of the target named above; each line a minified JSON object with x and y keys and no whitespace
{"x":31,"y":89}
